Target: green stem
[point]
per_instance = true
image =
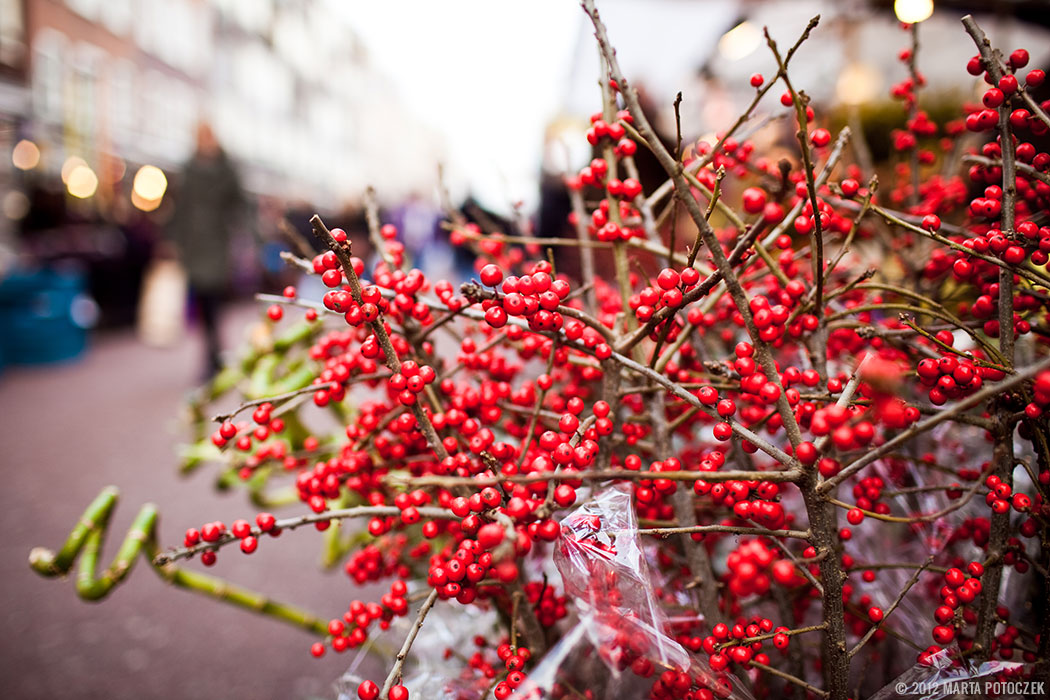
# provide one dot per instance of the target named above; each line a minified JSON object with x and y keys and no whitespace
{"x":85,"y":541}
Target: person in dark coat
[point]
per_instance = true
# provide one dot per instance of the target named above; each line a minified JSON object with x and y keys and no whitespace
{"x":207,"y":202}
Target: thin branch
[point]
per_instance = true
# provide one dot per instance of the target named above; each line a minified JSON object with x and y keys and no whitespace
{"x":770,"y":635}
{"x":177,"y":553}
{"x":450,"y":482}
{"x":893,"y":606}
{"x":222,"y":417}
{"x":374,"y":234}
{"x":342,"y":252}
{"x":727,"y":529}
{"x":802,"y":135}
{"x":1025,"y":168}
{"x":399,"y":662}
{"x":987,"y":392}
{"x":790,"y":679}
{"x":681,"y":187}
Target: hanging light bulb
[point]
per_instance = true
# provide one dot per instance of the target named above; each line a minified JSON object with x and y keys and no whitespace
{"x":913,"y":11}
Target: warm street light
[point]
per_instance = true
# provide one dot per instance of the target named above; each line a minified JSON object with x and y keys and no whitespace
{"x":913,"y":11}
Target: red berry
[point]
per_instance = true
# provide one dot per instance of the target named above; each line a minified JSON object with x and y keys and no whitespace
{"x":367,"y":690}
{"x":490,"y":535}
{"x":1014,"y":255}
{"x":564,"y":495}
{"x":332,"y":278}
{"x":993,"y":98}
{"x":668,"y":278}
{"x":491,"y":275}
{"x":241,"y":528}
{"x":754,"y":200}
{"x":943,"y":634}
{"x":806,"y":453}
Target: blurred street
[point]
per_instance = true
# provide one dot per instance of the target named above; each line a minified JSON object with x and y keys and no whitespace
{"x":112,"y":418}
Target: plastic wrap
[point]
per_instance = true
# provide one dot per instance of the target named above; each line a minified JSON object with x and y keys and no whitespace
{"x":619,"y":647}
{"x":604,"y":570}
{"x":431,"y":672}
{"x":946,"y":675}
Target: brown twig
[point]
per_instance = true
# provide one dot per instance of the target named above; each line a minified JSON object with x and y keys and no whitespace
{"x":727,"y":529}
{"x":893,"y":606}
{"x":949,"y":411}
{"x":342,"y":252}
{"x":292,"y":523}
{"x":399,"y":661}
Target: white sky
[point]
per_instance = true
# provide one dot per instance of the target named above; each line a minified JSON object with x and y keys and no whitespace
{"x":487,"y":75}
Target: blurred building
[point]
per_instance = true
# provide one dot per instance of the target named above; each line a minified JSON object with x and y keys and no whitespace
{"x":14,"y":100}
{"x":122,"y":83}
{"x":99,"y":104}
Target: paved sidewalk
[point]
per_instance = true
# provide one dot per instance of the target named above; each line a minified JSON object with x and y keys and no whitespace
{"x":112,"y":418}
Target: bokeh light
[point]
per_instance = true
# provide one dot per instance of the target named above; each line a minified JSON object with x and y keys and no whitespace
{"x":25,"y":155}
{"x":146,"y":205}
{"x":71,"y":164}
{"x":82,"y":182}
{"x":150,"y":183}
{"x":740,"y":41}
{"x":912,"y":11}
{"x":858,"y":83}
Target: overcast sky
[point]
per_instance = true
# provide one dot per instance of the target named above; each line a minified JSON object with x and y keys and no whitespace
{"x":488,"y":76}
{"x":485,"y":75}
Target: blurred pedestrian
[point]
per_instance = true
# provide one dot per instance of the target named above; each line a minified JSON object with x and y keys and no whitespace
{"x":208,"y":200}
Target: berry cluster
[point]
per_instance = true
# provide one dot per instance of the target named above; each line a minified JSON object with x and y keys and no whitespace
{"x":782,"y":399}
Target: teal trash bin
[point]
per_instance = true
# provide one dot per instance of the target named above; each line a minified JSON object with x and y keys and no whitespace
{"x":44,"y":316}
